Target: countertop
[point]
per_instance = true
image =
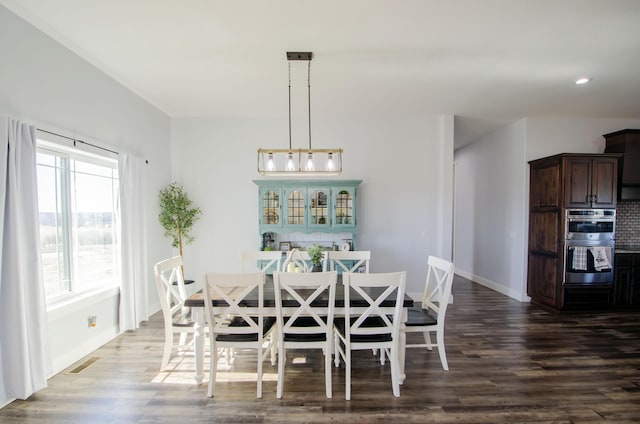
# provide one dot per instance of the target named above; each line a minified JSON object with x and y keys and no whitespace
{"x":627,"y":249}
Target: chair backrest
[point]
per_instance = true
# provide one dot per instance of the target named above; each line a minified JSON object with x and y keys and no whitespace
{"x":375,"y":288}
{"x":303,"y":289}
{"x":438,"y":287}
{"x":301,"y":259}
{"x":170,"y":285}
{"x":338,"y":259}
{"x":253,"y":261}
{"x":233,"y":289}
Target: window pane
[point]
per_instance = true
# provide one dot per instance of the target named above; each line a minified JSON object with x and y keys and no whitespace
{"x":93,"y":216}
{"x":55,"y":264}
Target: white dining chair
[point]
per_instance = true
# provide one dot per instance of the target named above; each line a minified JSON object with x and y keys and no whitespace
{"x":373,"y":328}
{"x":261,"y":260}
{"x":301,"y":325}
{"x":172,"y":294}
{"x":238,"y":324}
{"x":349,"y":261}
{"x":301,"y":259}
{"x":430,"y":316}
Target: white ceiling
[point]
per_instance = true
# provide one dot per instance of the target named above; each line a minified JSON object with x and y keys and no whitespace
{"x":489,"y":62}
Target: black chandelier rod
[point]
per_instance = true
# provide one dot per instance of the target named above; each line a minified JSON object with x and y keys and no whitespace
{"x":289,"y":105}
{"x":309,"y":99}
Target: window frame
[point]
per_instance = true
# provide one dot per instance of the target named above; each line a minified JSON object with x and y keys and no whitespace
{"x":51,"y":145}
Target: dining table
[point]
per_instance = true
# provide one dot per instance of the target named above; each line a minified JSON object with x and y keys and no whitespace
{"x":357,"y":305}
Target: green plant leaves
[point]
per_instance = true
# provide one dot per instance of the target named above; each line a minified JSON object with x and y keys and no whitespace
{"x":177,"y":214}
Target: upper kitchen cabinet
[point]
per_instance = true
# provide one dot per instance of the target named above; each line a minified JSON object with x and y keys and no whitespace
{"x":570,"y":180}
{"x":591,"y":181}
{"x":545,"y":189}
{"x":627,"y":143}
{"x":307,"y":206}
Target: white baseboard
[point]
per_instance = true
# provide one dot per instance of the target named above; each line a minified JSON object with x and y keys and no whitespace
{"x":83,"y":349}
{"x":494,"y":286}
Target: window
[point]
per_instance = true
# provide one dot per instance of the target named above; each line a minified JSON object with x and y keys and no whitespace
{"x":78,"y":197}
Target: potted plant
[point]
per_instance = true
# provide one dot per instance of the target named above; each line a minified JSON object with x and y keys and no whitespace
{"x":316,"y":256}
{"x":177,"y":215}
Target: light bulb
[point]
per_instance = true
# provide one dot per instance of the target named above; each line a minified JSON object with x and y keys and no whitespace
{"x":330,"y":165}
{"x":310,"y":166}
{"x":290,"y":166}
{"x":270,"y":165}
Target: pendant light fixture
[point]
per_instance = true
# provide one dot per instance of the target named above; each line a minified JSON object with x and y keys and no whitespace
{"x":301,"y":161}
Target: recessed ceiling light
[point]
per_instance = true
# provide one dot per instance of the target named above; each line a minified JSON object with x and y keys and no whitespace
{"x":581,"y":81}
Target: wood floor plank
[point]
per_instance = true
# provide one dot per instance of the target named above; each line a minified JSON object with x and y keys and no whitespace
{"x":509,"y":362}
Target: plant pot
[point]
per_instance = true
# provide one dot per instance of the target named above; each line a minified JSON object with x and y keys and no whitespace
{"x":316,"y":268}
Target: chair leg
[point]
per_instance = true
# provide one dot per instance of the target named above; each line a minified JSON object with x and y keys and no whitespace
{"x":259,"y":388}
{"x":168,"y":346}
{"x":427,"y":339}
{"x":281,"y":361}
{"x":336,"y":351}
{"x":182,"y":342}
{"x":327,"y":372}
{"x":441,"y":351}
{"x":395,"y":371}
{"x":347,"y":365}
{"x":274,"y":347}
{"x":213,"y":365}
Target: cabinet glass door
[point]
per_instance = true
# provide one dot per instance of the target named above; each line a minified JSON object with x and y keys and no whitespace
{"x":271,"y":208}
{"x":319,"y":211}
{"x":295,"y":208}
{"x":344,"y":208}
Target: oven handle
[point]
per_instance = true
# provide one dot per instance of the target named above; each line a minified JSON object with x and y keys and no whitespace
{"x":565,"y":258}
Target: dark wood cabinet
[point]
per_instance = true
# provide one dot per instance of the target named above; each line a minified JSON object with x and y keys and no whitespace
{"x":626,"y":142}
{"x":627,"y":280}
{"x":591,"y":182}
{"x":558,"y":182}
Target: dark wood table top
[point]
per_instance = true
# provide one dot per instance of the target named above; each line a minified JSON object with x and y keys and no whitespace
{"x":197,"y":299}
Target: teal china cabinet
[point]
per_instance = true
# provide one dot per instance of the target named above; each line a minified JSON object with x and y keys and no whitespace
{"x":307,"y":206}
{"x":270,"y":208}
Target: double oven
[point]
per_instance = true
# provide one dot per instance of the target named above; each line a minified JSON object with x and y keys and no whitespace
{"x":589,"y":242}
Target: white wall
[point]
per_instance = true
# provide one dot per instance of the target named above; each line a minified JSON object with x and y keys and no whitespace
{"x":489,"y":202}
{"x":492,"y":186}
{"x":550,"y":136}
{"x":43,"y":83}
{"x":403,"y":202}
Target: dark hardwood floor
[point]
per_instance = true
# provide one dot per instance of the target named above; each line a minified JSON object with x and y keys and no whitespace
{"x":509,"y":362}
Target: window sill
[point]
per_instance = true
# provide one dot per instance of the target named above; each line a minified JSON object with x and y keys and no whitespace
{"x":79,"y":301}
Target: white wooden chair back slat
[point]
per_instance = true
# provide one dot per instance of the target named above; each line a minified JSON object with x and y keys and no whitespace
{"x":338,"y":260}
{"x":260,"y":260}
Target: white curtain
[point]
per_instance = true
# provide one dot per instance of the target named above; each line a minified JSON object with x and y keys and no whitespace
{"x":24,"y":345}
{"x":134,"y":297}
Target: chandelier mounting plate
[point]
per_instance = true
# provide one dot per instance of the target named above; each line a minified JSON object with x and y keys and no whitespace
{"x":299,"y":55}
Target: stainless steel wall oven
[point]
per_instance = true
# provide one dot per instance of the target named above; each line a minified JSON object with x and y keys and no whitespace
{"x":589,"y":242}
